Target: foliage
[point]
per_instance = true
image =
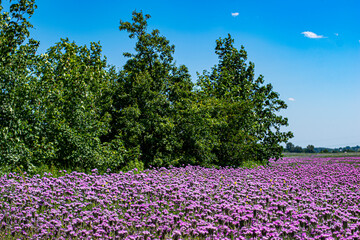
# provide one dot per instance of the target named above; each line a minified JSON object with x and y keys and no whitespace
{"x":290,"y":147}
{"x":54,"y":106}
{"x":75,"y":97}
{"x":252,"y":128}
{"x":150,"y":94}
{"x":69,"y":109}
{"x":310,"y":149}
{"x":17,"y":60}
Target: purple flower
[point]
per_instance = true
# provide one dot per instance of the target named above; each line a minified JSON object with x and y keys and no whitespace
{"x":188,"y":202}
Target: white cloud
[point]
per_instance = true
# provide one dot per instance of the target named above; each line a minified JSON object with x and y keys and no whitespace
{"x":235,"y":14}
{"x":336,"y":34}
{"x":312,"y":35}
{"x":291,"y":99}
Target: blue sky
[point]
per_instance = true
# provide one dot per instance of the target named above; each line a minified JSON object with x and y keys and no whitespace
{"x":308,"y":50}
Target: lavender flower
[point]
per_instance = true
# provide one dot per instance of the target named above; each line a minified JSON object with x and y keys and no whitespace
{"x":315,"y":198}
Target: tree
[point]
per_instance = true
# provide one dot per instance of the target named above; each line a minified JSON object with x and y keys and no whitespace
{"x":252,"y":128}
{"x":53,"y":107}
{"x":310,"y":149}
{"x":298,"y":149}
{"x":18,"y":130}
{"x":75,"y":90}
{"x":150,"y":92}
{"x":70,"y":109}
{"x":290,"y":147}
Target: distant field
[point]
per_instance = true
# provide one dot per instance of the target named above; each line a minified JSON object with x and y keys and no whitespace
{"x":326,"y":155}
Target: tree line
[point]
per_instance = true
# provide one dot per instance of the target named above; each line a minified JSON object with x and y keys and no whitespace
{"x":70,"y":109}
{"x":290,"y":147}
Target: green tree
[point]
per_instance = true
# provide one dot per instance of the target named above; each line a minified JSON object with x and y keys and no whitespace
{"x":53,"y":107}
{"x":70,"y":109}
{"x":298,"y":149}
{"x":252,"y":129}
{"x":148,"y":95}
{"x":197,"y":126}
{"x":310,"y":149}
{"x":75,"y":89}
{"x":18,"y":130}
{"x":290,"y":147}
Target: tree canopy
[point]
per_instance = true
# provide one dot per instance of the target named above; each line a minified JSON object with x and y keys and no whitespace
{"x":69,"y":108}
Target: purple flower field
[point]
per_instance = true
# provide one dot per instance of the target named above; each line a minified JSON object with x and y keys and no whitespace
{"x":303,"y":198}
